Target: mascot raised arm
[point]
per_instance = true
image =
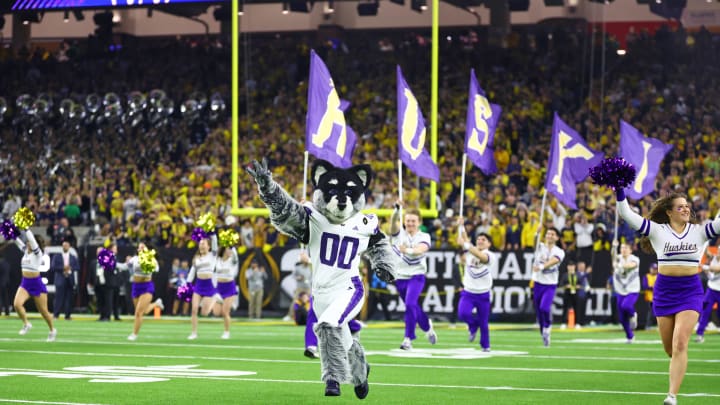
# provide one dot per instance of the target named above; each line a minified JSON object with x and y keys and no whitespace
{"x":336,"y":233}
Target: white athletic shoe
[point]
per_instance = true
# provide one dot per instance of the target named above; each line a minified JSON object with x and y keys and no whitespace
{"x":132,"y":337}
{"x":52,"y":335}
{"x":406,"y":344}
{"x":633,"y":322}
{"x":25,"y":329}
{"x":631,"y":340}
{"x":700,"y":339}
{"x":225,"y":335}
{"x":431,"y":335}
{"x":670,"y":400}
{"x":546,"y":337}
{"x":192,"y":336}
{"x":159,"y":304}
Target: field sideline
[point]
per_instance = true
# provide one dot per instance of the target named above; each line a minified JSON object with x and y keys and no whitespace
{"x":262,"y":363}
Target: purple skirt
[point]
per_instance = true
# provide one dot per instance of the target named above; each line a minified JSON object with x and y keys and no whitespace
{"x":143,"y":287}
{"x":34,"y":286}
{"x":204,"y":287}
{"x":675,"y":294}
{"x":227,"y":289}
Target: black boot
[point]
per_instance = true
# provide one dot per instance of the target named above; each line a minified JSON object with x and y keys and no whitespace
{"x":332,"y":388}
{"x":361,"y":391}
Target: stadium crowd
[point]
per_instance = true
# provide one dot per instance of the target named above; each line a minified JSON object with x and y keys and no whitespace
{"x":146,"y":168}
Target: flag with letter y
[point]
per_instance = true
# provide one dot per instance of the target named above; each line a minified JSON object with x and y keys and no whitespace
{"x":327,"y":135}
{"x":645,"y":154}
{"x":482,"y":119}
{"x":412,"y":133}
{"x":569,"y":162}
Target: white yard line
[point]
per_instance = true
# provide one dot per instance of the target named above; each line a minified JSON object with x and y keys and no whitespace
{"x":374,"y":363}
{"x":27,"y":401}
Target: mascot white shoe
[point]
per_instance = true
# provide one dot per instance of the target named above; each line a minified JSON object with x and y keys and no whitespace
{"x":336,"y":233}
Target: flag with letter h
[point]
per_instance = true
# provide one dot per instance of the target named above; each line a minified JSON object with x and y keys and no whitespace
{"x":327,"y":135}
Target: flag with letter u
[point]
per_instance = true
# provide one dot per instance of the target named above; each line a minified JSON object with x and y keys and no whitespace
{"x":482,"y":119}
{"x":327,"y":136}
{"x":569,"y":162}
{"x":645,"y":154}
{"x":412,"y":133}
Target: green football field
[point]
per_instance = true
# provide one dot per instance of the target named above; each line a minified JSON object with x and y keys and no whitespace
{"x":262,"y":363}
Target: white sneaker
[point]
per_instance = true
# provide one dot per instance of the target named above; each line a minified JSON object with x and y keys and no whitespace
{"x":563,"y":326}
{"x":52,"y":335}
{"x":159,"y":304}
{"x":192,"y":336}
{"x":406,"y":344}
{"x":700,"y":339}
{"x":631,"y":340}
{"x":578,"y":326}
{"x":633,"y":322}
{"x":312,"y":352}
{"x":25,"y":329}
{"x":286,"y":318}
{"x":132,"y":337}
{"x":431,"y":335}
{"x":225,"y":335}
{"x":670,"y":400}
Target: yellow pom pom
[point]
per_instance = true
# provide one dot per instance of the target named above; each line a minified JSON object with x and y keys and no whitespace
{"x":24,"y":218}
{"x":228,"y":238}
{"x":206,"y":222}
{"x":242,"y":250}
{"x":147,"y":261}
{"x":267,"y":247}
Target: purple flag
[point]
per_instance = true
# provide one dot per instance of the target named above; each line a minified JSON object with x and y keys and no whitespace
{"x":327,"y":136}
{"x":411,"y":133}
{"x":482,"y":119}
{"x":645,"y":154}
{"x":569,"y":162}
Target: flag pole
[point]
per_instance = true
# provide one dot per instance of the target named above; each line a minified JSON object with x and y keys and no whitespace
{"x":400,"y":188}
{"x":540,"y":226}
{"x":617,"y":219}
{"x":305,"y":170}
{"x":462,"y":191}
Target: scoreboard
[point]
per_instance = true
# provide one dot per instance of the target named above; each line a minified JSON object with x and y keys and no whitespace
{"x":71,"y":4}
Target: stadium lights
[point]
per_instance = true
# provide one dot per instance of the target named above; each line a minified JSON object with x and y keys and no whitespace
{"x":330,"y":7}
{"x":241,"y":9}
{"x":66,"y":16}
{"x":418,"y":5}
{"x":286,"y":8}
{"x":621,"y":52}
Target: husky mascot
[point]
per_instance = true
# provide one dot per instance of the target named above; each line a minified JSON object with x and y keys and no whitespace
{"x":336,"y":233}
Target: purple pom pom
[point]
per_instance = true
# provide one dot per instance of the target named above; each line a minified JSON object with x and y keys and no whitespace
{"x":185,"y":292}
{"x":106,"y":259}
{"x":616,"y":173}
{"x":199,"y":234}
{"x":8,"y":230}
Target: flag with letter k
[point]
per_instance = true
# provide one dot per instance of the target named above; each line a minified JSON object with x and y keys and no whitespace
{"x":569,"y":162}
{"x":645,"y":154}
{"x":411,"y":133}
{"x":327,"y":136}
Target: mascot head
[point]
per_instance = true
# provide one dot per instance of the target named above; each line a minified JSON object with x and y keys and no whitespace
{"x":339,"y":193}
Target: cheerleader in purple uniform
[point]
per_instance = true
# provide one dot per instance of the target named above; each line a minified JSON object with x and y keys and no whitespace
{"x":226,"y":269}
{"x":678,"y":293}
{"x":32,"y":285}
{"x":142,"y":288}
{"x":203,"y":266}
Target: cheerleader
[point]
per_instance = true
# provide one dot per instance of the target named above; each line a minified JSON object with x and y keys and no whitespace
{"x":32,"y":285}
{"x":142,"y":267}
{"x":203,"y":266}
{"x":626,"y":281}
{"x":226,"y":269}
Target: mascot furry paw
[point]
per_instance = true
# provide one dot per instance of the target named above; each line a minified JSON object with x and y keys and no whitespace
{"x":336,"y":234}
